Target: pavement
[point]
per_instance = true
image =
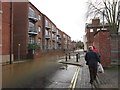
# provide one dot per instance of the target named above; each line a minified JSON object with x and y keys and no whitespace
{"x":108,"y":79}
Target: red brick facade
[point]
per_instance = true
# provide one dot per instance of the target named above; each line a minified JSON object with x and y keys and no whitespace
{"x":20,"y":36}
{"x":100,"y":38}
{"x":115,"y":48}
{"x":6,"y":28}
{"x":91,"y":29}
{"x":102,"y":43}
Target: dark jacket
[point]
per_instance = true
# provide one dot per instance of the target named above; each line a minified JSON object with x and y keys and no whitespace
{"x":92,"y":58}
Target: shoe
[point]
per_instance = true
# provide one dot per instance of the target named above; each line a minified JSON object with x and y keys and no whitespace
{"x":91,"y":82}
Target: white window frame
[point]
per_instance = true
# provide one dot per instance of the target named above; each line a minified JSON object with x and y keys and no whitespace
{"x":91,"y":30}
{"x":39,"y":17}
{"x":39,"y":29}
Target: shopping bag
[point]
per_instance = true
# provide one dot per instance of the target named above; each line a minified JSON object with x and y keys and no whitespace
{"x":100,"y":68}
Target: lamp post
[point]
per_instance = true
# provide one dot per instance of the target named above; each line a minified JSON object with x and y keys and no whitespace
{"x":18,"y":51}
{"x":103,"y":18}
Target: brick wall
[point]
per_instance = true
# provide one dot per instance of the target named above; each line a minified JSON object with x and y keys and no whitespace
{"x":115,"y":48}
{"x":20,"y":21}
{"x":102,"y":43}
{"x":6,"y":28}
{"x":47,"y":54}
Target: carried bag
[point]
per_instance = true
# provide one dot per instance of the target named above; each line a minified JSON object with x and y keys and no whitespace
{"x":100,"y":68}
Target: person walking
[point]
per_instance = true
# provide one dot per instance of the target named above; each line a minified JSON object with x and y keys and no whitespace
{"x":92,"y":59}
{"x":94,"y":49}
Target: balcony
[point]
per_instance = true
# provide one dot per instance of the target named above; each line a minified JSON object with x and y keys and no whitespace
{"x":118,"y":17}
{"x":53,"y":30}
{"x":33,"y":19}
{"x":59,"y":41}
{"x":33,"y":31}
{"x":54,"y":38}
{"x":47,"y":26}
{"x":47,"y":37}
{"x":58,"y":34}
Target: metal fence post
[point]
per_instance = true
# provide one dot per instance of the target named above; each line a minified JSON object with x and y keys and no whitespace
{"x":76,"y":57}
{"x":69,"y":56}
{"x":66,"y":57}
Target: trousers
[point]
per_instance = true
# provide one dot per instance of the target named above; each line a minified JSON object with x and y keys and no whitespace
{"x":93,"y":73}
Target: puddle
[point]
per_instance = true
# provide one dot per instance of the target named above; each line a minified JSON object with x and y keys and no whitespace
{"x":17,"y":73}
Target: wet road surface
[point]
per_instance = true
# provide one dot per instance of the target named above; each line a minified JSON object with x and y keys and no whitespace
{"x":63,"y":78}
{"x":39,"y":74}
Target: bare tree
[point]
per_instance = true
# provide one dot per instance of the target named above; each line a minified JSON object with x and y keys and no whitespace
{"x":104,"y":9}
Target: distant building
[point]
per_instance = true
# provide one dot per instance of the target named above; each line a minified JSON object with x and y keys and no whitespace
{"x":92,"y":29}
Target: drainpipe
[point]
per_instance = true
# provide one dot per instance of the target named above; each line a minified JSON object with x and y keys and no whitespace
{"x":11,"y":32}
{"x":43,"y":32}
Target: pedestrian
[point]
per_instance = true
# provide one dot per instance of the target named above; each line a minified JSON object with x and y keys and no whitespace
{"x":94,"y":49}
{"x":92,"y":59}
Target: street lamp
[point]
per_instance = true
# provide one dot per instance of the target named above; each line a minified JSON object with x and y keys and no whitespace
{"x":18,"y":51}
{"x":103,"y":18}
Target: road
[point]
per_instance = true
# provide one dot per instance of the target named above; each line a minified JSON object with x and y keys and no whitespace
{"x":39,"y":74}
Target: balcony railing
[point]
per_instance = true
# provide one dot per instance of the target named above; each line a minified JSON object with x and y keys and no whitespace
{"x":59,"y":41}
{"x":58,"y":34}
{"x":54,"y":38}
{"x":33,"y":19}
{"x":33,"y":31}
{"x":47,"y":37}
{"x":53,"y":30}
{"x":32,"y":15}
{"x":47,"y":26}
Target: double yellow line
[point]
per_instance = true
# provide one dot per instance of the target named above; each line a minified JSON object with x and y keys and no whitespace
{"x":74,"y":79}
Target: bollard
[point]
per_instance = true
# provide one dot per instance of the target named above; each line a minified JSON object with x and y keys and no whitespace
{"x":66,"y":58}
{"x":69,"y":56}
{"x":76,"y":57}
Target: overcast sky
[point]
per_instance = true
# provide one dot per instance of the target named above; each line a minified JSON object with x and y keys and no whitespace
{"x":68,"y":15}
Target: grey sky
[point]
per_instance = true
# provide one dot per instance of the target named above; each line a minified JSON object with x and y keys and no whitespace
{"x":68,"y":15}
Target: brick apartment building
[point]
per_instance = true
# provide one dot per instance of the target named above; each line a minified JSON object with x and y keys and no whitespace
{"x":50,"y":30}
{"x":32,"y":31}
{"x":6,"y":32}
{"x":27,"y":29}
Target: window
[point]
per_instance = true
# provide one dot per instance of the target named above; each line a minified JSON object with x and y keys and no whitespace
{"x":39,"y":29}
{"x":31,"y":40}
{"x":98,"y":29}
{"x":39,"y":41}
{"x":53,"y":27}
{"x":46,"y":22}
{"x":46,"y":32}
{"x":91,"y":30}
{"x":31,"y":26}
{"x":31,"y":12}
{"x":39,"y":17}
